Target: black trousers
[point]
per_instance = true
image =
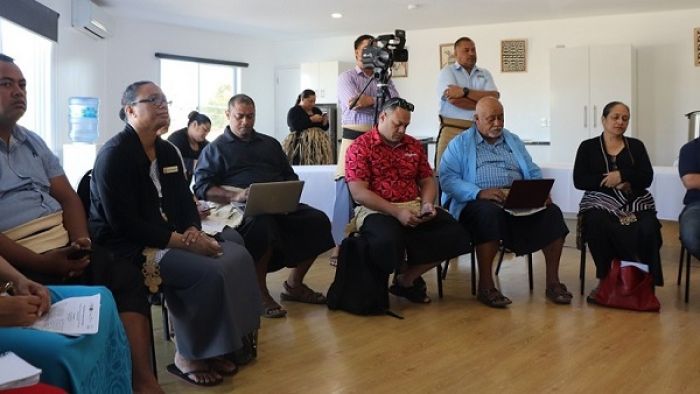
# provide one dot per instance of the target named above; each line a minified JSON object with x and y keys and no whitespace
{"x":487,"y":222}
{"x":294,"y":237}
{"x":436,"y":240}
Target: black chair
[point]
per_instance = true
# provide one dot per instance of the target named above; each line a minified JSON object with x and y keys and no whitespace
{"x":442,"y":272}
{"x":684,"y":254}
{"x":529,"y":265}
{"x":83,"y":192}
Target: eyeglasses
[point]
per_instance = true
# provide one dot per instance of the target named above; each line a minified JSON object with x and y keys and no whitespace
{"x":157,"y":101}
{"x":398,"y":102}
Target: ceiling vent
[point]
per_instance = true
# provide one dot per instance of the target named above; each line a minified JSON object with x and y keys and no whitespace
{"x":90,"y":19}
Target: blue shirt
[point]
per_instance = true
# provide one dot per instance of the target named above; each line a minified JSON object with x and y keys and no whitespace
{"x":458,"y":170}
{"x":689,"y":163}
{"x":454,"y":74}
{"x":496,"y":166}
{"x":26,"y":168}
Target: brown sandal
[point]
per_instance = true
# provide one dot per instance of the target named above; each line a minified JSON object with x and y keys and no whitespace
{"x":559,"y":294}
{"x":302,"y":293}
{"x":493,"y":298}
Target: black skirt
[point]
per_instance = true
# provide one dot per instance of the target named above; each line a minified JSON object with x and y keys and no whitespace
{"x":294,"y":237}
{"x":608,"y":239}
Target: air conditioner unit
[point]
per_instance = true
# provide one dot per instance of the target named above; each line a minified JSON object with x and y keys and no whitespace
{"x":90,"y":19}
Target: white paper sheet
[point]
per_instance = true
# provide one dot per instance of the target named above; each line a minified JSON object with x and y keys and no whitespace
{"x":15,"y":372}
{"x":641,"y":266}
{"x":72,"y":316}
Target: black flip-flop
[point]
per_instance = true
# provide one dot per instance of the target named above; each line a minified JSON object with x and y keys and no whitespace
{"x":173,"y":369}
{"x":216,"y":365}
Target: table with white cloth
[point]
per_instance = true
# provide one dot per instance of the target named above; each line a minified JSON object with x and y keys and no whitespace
{"x":667,"y":189}
{"x":319,"y":186}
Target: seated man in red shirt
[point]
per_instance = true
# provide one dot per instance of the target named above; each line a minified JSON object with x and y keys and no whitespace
{"x":389,"y":177}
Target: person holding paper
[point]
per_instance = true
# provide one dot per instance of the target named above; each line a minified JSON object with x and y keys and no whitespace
{"x":617,"y":212}
{"x":475,"y":168}
{"x":82,"y":364}
{"x":144,"y":215}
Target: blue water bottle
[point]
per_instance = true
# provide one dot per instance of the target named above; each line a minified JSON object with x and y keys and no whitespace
{"x":82,"y":119}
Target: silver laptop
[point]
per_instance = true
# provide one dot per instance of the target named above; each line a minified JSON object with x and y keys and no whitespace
{"x":273,"y":198}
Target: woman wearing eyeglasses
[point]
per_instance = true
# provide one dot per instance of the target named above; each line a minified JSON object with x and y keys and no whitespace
{"x":191,"y":140}
{"x":144,"y":214}
{"x":308,"y":142}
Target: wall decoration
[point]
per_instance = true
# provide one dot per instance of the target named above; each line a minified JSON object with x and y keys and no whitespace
{"x":696,"y":45}
{"x":513,"y":56}
{"x":447,"y":54}
{"x":399,"y":69}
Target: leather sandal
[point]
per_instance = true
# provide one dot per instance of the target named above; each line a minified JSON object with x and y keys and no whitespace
{"x":493,"y":297}
{"x":302,"y":293}
{"x":559,"y":294}
{"x":416,"y":293}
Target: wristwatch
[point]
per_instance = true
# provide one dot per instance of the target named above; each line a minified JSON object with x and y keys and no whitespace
{"x":466,"y":92}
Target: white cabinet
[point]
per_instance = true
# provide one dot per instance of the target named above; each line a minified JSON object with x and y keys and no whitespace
{"x":583,"y":80}
{"x":322,"y":77}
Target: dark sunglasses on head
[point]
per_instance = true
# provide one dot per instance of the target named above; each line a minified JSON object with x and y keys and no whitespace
{"x":398,"y":102}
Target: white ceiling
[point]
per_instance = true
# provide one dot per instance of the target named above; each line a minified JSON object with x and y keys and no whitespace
{"x":299,"y":19}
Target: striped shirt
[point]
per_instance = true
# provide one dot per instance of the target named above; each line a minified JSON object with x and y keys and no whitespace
{"x":496,"y":166}
{"x":350,"y":84}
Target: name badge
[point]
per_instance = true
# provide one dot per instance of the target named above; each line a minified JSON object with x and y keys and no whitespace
{"x":170,"y":170}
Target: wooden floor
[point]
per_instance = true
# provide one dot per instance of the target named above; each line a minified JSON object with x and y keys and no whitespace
{"x":456,"y":344}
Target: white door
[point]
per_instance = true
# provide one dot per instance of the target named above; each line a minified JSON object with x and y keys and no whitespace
{"x":287,"y":88}
{"x":611,"y":80}
{"x":569,"y":105}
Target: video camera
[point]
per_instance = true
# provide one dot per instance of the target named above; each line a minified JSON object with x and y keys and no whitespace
{"x":383,"y":51}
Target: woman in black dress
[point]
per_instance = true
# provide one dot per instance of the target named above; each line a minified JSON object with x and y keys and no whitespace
{"x":308,"y":142}
{"x":143,"y":215}
{"x":191,"y":140}
{"x":617,"y":212}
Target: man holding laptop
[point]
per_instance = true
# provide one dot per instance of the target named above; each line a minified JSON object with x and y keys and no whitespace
{"x":225,"y":172}
{"x":475,"y":170}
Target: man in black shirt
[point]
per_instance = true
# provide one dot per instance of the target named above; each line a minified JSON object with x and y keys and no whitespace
{"x":240,"y":157}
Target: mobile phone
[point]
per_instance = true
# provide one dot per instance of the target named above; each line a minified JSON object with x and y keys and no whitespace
{"x":79,"y":254}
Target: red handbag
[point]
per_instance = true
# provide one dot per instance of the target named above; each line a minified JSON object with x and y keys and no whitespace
{"x":628,"y":287}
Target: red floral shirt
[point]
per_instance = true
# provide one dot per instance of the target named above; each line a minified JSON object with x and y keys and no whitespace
{"x":391,"y":172}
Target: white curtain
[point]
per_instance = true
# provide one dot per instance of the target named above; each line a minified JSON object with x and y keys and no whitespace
{"x":34,"y":55}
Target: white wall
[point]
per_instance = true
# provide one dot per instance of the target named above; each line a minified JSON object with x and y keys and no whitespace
{"x":103,"y":68}
{"x":667,"y":81}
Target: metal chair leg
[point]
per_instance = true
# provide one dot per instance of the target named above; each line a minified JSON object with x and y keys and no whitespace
{"x":680,"y":266}
{"x":529,"y":270}
{"x":687,"y":275}
{"x":473,"y":273}
{"x":439,"y":278}
{"x":444,"y":269}
{"x":582,"y":268}
{"x":500,"y":259}
{"x":153,"y":347}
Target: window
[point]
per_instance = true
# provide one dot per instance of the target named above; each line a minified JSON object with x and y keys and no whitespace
{"x":203,"y":87}
{"x":34,"y":55}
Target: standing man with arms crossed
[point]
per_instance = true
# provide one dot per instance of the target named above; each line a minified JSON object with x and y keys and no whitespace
{"x":460,"y":85}
{"x":355,"y":121}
